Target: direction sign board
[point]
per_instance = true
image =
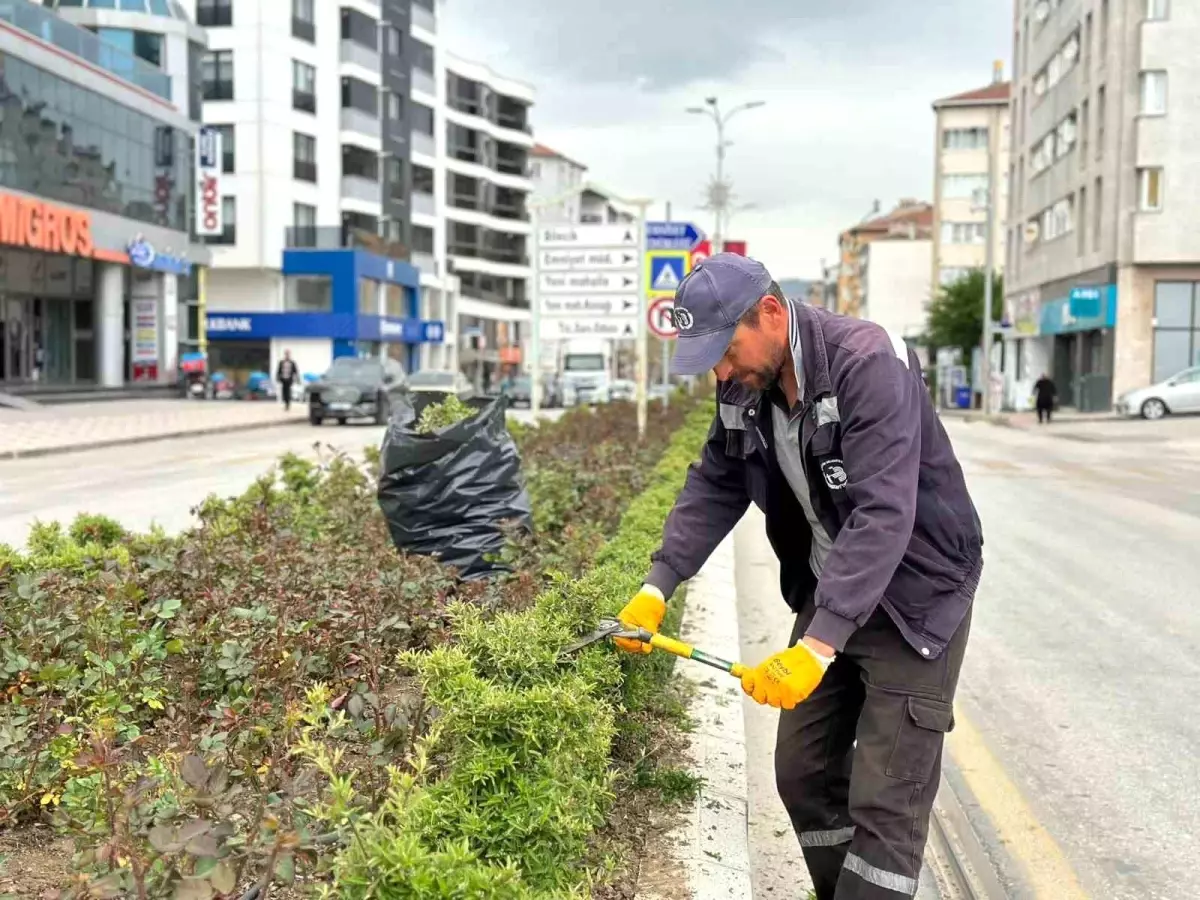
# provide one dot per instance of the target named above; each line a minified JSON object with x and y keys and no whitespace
{"x":660,"y":318}
{"x":665,"y":269}
{"x":587,"y":282}
{"x":672,"y":236}
{"x":553,"y":237}
{"x":588,"y":260}
{"x":613,"y":327}
{"x":588,"y":305}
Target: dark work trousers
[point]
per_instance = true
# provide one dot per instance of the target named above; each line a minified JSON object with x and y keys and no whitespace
{"x":286,"y":390}
{"x":861,"y":811}
{"x":1044,"y":409}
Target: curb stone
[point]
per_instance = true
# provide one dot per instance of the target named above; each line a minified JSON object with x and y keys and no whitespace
{"x":54,"y":450}
{"x":711,"y":847}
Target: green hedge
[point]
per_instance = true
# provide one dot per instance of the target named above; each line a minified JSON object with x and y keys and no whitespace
{"x":516,"y":775}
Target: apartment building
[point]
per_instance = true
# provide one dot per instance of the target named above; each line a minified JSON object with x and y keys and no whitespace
{"x":1103,"y":250}
{"x":967,"y":126}
{"x":885,"y":268}
{"x":563,"y":194}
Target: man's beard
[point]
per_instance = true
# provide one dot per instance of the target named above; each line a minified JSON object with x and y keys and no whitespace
{"x":764,"y":377}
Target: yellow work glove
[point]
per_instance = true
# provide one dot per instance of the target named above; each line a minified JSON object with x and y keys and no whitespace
{"x":787,"y":678}
{"x":645,"y":610}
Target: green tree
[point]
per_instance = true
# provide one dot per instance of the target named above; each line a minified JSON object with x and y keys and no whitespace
{"x":956,"y":312}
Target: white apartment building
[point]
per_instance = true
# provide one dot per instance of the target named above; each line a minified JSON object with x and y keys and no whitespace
{"x":563,"y":195}
{"x":471,"y":140}
{"x":965,"y":125}
{"x":1103,"y":271}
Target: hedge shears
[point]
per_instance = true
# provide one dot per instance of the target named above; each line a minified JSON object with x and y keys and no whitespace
{"x":615,"y":628}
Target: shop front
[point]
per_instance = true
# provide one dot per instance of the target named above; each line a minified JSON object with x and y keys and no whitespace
{"x":1082,"y":327}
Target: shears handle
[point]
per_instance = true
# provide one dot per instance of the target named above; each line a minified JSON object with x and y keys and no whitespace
{"x":687,"y":651}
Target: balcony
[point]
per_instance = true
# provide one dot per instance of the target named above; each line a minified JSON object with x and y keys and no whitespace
{"x":460,"y":200}
{"x":424,"y":17}
{"x":361,"y":122}
{"x":423,"y":81}
{"x":424,"y":204}
{"x":511,"y":166}
{"x":356,"y":54}
{"x":305,"y":101}
{"x":304,"y":30}
{"x":46,"y":26}
{"x":365,"y":190}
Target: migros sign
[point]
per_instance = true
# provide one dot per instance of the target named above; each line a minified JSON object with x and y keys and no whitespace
{"x":38,"y":225}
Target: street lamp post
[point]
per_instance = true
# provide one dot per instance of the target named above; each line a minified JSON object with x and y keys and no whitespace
{"x":721,"y":195}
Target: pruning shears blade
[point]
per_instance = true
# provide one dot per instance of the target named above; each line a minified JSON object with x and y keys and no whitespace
{"x":608,"y":628}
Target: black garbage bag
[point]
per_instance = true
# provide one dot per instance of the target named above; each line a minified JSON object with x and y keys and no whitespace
{"x":449,"y":493}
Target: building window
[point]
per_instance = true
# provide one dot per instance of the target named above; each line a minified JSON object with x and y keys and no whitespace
{"x":1097,"y":213}
{"x":1176,"y":328}
{"x":309,"y":293}
{"x":422,"y":119}
{"x":965,"y":139}
{"x":304,"y":87}
{"x":228,"y":233}
{"x":142,"y":44}
{"x":228,"y":148}
{"x":304,"y":157}
{"x":216,"y":72}
{"x":360,"y":95}
{"x":360,"y":28}
{"x":422,"y":56}
{"x":395,"y":106}
{"x":395,"y":41}
{"x":211,"y":13}
{"x":964,"y":232}
{"x":303,"y":22}
{"x":422,"y":180}
{"x":304,"y":225}
{"x":962,"y":187}
{"x":1101,"y":120}
{"x":1150,"y":189}
{"x":1156,"y":10}
{"x":393,"y":173}
{"x":1059,"y":219}
{"x":358,"y":162}
{"x":422,"y":239}
{"x":1154,"y":93}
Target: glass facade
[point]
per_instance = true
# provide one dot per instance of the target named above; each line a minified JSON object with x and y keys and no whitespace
{"x":1176,"y":328}
{"x":67,"y":143}
{"x":46,"y":318}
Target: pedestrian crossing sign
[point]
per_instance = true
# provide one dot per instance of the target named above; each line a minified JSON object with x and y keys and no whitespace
{"x":665,"y":269}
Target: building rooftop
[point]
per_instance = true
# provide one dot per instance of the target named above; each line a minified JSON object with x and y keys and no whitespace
{"x":549,"y":153}
{"x":994,"y":94}
{"x":910,"y":219}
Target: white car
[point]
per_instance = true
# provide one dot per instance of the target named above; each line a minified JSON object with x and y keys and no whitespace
{"x":1178,"y":394}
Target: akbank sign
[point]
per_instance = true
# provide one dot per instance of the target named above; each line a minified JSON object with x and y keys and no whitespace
{"x":336,"y":326}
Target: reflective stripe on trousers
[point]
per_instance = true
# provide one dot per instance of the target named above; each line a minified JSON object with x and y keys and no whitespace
{"x":893,"y":881}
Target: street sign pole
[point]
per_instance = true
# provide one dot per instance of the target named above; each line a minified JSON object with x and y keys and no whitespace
{"x":643,"y":362}
{"x":535,"y":315}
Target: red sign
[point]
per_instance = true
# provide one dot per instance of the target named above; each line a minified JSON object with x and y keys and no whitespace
{"x":702,"y":251}
{"x":210,"y":204}
{"x":27,"y":222}
{"x":661,"y":318}
{"x":738,"y":247}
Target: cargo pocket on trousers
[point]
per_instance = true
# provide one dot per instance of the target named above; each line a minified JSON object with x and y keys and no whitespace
{"x":921,"y":731}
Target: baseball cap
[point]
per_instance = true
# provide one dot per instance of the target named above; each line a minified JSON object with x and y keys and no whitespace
{"x":708,"y":304}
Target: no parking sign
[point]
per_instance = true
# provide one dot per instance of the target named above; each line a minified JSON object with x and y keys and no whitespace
{"x":661,"y":318}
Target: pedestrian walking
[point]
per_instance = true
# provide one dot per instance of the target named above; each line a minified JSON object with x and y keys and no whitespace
{"x":823,"y":422}
{"x":285,"y":374}
{"x":1045,"y":395}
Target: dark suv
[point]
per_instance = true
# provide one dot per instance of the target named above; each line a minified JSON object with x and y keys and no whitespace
{"x":355,"y":389}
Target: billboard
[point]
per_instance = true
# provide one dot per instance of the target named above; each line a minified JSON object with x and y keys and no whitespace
{"x":208,"y":182}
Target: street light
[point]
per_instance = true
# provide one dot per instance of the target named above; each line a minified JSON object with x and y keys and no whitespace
{"x":720,"y":198}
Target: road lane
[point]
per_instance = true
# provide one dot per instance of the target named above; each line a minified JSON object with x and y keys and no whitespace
{"x":1084,"y":662}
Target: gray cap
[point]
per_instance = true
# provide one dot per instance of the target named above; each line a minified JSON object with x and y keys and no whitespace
{"x":708,"y":304}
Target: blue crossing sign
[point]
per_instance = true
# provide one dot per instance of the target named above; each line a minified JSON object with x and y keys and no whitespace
{"x":672,"y":236}
{"x":665,"y":270}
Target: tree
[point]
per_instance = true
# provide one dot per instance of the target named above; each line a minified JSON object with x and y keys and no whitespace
{"x":956,"y":312}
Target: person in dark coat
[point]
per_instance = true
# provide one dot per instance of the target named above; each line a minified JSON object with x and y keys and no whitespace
{"x":285,"y":374}
{"x":1045,"y":393}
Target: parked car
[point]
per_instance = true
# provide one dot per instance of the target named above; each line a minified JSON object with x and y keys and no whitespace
{"x":1178,"y":394}
{"x":355,"y":388}
{"x":622,"y":389}
{"x":519,"y":391}
{"x":440,"y":381}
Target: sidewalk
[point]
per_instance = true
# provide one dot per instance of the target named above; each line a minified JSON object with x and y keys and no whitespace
{"x":66,"y":428}
{"x":1027,"y":419}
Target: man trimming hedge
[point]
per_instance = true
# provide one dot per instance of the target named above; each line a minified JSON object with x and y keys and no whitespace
{"x":824,"y":422}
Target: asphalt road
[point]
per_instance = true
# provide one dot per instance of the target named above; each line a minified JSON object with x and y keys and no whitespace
{"x":159,"y":481}
{"x":1083,"y":670}
{"x":1077,"y":751}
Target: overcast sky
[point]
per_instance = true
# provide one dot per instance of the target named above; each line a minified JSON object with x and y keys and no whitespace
{"x":847,"y":83}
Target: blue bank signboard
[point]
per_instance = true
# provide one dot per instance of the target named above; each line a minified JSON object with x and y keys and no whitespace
{"x":1084,"y":309}
{"x":239,"y":326}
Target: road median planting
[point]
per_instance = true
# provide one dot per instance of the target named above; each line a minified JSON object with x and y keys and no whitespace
{"x":278,"y":701}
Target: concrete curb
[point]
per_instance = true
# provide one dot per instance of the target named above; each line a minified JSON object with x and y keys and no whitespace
{"x":712,"y":846}
{"x":146,"y":439}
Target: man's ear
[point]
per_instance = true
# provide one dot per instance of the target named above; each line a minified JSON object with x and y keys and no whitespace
{"x":772,"y":306}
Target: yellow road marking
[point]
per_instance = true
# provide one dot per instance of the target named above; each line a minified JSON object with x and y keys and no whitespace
{"x":1045,"y":865}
